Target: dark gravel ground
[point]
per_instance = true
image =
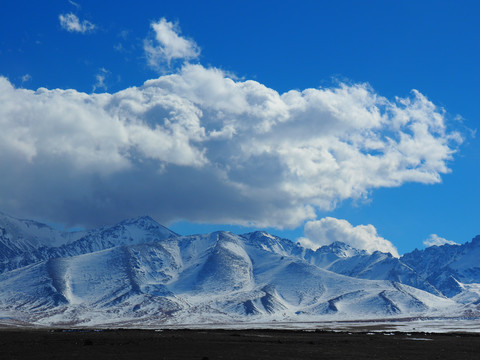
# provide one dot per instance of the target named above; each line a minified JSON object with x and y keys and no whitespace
{"x":232,"y":344}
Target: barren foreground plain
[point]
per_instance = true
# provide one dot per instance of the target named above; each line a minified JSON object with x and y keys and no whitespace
{"x":233,"y":344}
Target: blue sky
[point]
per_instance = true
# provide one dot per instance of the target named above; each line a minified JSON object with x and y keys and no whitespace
{"x":80,"y":178}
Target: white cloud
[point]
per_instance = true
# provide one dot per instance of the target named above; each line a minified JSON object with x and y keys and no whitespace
{"x":26,"y":78}
{"x":168,"y":45}
{"x":435,"y":240}
{"x":74,"y":4}
{"x":71,"y":23}
{"x":328,"y":230}
{"x":100,"y":77}
{"x":200,"y":146}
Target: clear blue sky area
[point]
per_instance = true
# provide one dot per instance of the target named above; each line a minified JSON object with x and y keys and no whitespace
{"x":394,"y":46}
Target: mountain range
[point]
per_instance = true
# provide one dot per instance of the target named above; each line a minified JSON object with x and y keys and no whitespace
{"x":139,"y":273}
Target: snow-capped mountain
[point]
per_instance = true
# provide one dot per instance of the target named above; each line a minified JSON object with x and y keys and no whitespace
{"x":25,"y":235}
{"x":452,"y":269}
{"x":139,"y":272}
{"x":342,"y":259}
{"x":24,"y":242}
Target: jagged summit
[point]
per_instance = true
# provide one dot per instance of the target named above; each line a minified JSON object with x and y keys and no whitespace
{"x":475,"y":241}
{"x":146,"y":223}
{"x":340,"y":249}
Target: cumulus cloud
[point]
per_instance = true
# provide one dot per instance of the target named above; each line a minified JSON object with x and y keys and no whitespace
{"x":328,"y":230}
{"x":168,"y":45}
{"x":71,"y":23}
{"x":435,"y":240}
{"x":200,"y":146}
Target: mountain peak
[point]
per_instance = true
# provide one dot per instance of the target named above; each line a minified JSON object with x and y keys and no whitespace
{"x":145,"y":222}
{"x":272,"y":243}
{"x":139,"y":220}
{"x":340,"y":249}
{"x":476,"y":240}
{"x":260,"y":235}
